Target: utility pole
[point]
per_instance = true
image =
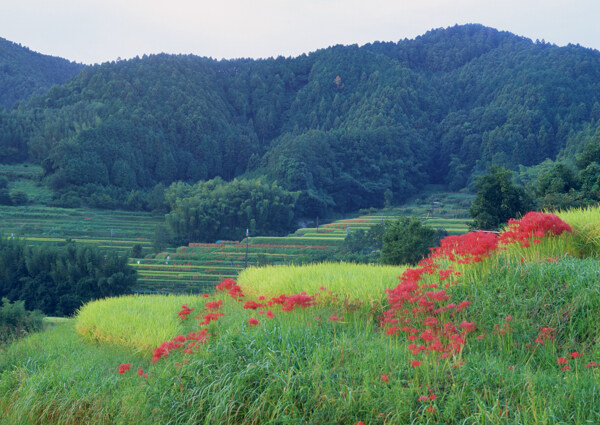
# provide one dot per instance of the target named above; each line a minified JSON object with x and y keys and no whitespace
{"x":246,"y":261}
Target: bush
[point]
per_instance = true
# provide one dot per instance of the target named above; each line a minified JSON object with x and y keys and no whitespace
{"x":16,"y":322}
{"x":498,"y":200}
{"x":407,"y":241}
{"x":18,"y":197}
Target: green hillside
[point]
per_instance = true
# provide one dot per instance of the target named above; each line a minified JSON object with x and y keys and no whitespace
{"x":339,"y":126}
{"x":24,"y":73}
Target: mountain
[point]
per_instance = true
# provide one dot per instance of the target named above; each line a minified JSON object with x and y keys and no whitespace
{"x":24,"y":73}
{"x":341,"y":125}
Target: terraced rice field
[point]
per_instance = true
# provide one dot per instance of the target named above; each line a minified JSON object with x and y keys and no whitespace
{"x":199,"y":266}
{"x":39,"y":225}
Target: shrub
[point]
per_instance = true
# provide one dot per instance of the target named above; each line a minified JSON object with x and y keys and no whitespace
{"x":15,"y":321}
{"x":407,"y":241}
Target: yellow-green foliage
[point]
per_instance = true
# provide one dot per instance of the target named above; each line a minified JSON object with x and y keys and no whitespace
{"x":585,"y":239}
{"x":356,"y":281}
{"x":141,"y":322}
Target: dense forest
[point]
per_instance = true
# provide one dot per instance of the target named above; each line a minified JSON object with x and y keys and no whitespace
{"x":24,"y":73}
{"x":333,"y":130}
{"x":59,"y":279}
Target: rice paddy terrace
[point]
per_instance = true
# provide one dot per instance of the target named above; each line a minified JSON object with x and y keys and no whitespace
{"x":198,"y":267}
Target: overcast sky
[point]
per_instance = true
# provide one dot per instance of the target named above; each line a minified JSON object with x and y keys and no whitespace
{"x":94,"y":31}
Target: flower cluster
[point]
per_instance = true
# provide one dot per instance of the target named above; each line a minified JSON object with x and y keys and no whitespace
{"x":184,"y":312}
{"x":533,"y":225}
{"x":124,"y":367}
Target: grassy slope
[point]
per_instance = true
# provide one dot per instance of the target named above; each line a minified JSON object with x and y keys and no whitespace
{"x":300,"y":367}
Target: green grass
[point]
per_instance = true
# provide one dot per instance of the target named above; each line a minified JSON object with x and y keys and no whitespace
{"x":295,"y":369}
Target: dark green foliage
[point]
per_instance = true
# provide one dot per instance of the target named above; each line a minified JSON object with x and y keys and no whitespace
{"x":498,"y":200}
{"x":348,"y":127}
{"x":24,"y":73}
{"x":5,"y":197}
{"x":561,"y":187}
{"x":407,"y":241}
{"x":216,"y":209}
{"x":18,"y":197}
{"x":136,"y":251}
{"x":15,"y":321}
{"x":560,"y":179}
{"x":58,"y":280}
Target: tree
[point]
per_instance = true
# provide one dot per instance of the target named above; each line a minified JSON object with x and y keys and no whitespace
{"x":498,"y":199}
{"x":407,"y":241}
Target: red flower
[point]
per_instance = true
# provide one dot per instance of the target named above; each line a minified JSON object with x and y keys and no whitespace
{"x":124,"y":367}
{"x":270,"y":314}
{"x":334,"y":318}
{"x":415,"y":363}
{"x":432,"y":396}
{"x":575,"y":355}
{"x":423,"y":398}
{"x":385,"y":378}
{"x":562,"y":360}
{"x":252,"y":321}
{"x":141,"y":372}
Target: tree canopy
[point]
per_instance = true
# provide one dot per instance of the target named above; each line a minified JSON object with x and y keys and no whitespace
{"x":343,"y":126}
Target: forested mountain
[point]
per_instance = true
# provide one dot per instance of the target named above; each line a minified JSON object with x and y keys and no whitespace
{"x":24,"y":73}
{"x":339,"y":126}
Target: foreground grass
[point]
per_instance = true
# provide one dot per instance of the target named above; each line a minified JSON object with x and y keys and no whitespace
{"x":300,"y":367}
{"x":329,"y":363}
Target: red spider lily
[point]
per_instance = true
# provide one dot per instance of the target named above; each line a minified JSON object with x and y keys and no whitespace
{"x":226,"y":285}
{"x":562,"y":360}
{"x":565,"y":367}
{"x":210,"y":317}
{"x":252,"y":321}
{"x":124,"y":367}
{"x":213,"y":305}
{"x":289,"y":303}
{"x":385,"y":378}
{"x":545,"y":335}
{"x":576,"y":355}
{"x":468,"y":326}
{"x":591,"y":364}
{"x":392,"y":330}
{"x":334,"y":318}
{"x":533,"y":225}
{"x":415,"y":363}
{"x":423,"y":398}
{"x":140,"y":372}
{"x":185,"y":311}
{"x":251,"y":305}
{"x":432,"y":396}
{"x":270,"y":314}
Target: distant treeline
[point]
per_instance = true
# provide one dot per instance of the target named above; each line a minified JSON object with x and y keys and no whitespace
{"x":58,"y":280}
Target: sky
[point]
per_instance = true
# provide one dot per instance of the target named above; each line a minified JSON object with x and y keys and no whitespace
{"x":95,"y":31}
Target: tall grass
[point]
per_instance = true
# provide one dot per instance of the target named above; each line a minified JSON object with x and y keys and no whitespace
{"x":353,"y":281}
{"x":585,"y":239}
{"x":140,"y":322}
